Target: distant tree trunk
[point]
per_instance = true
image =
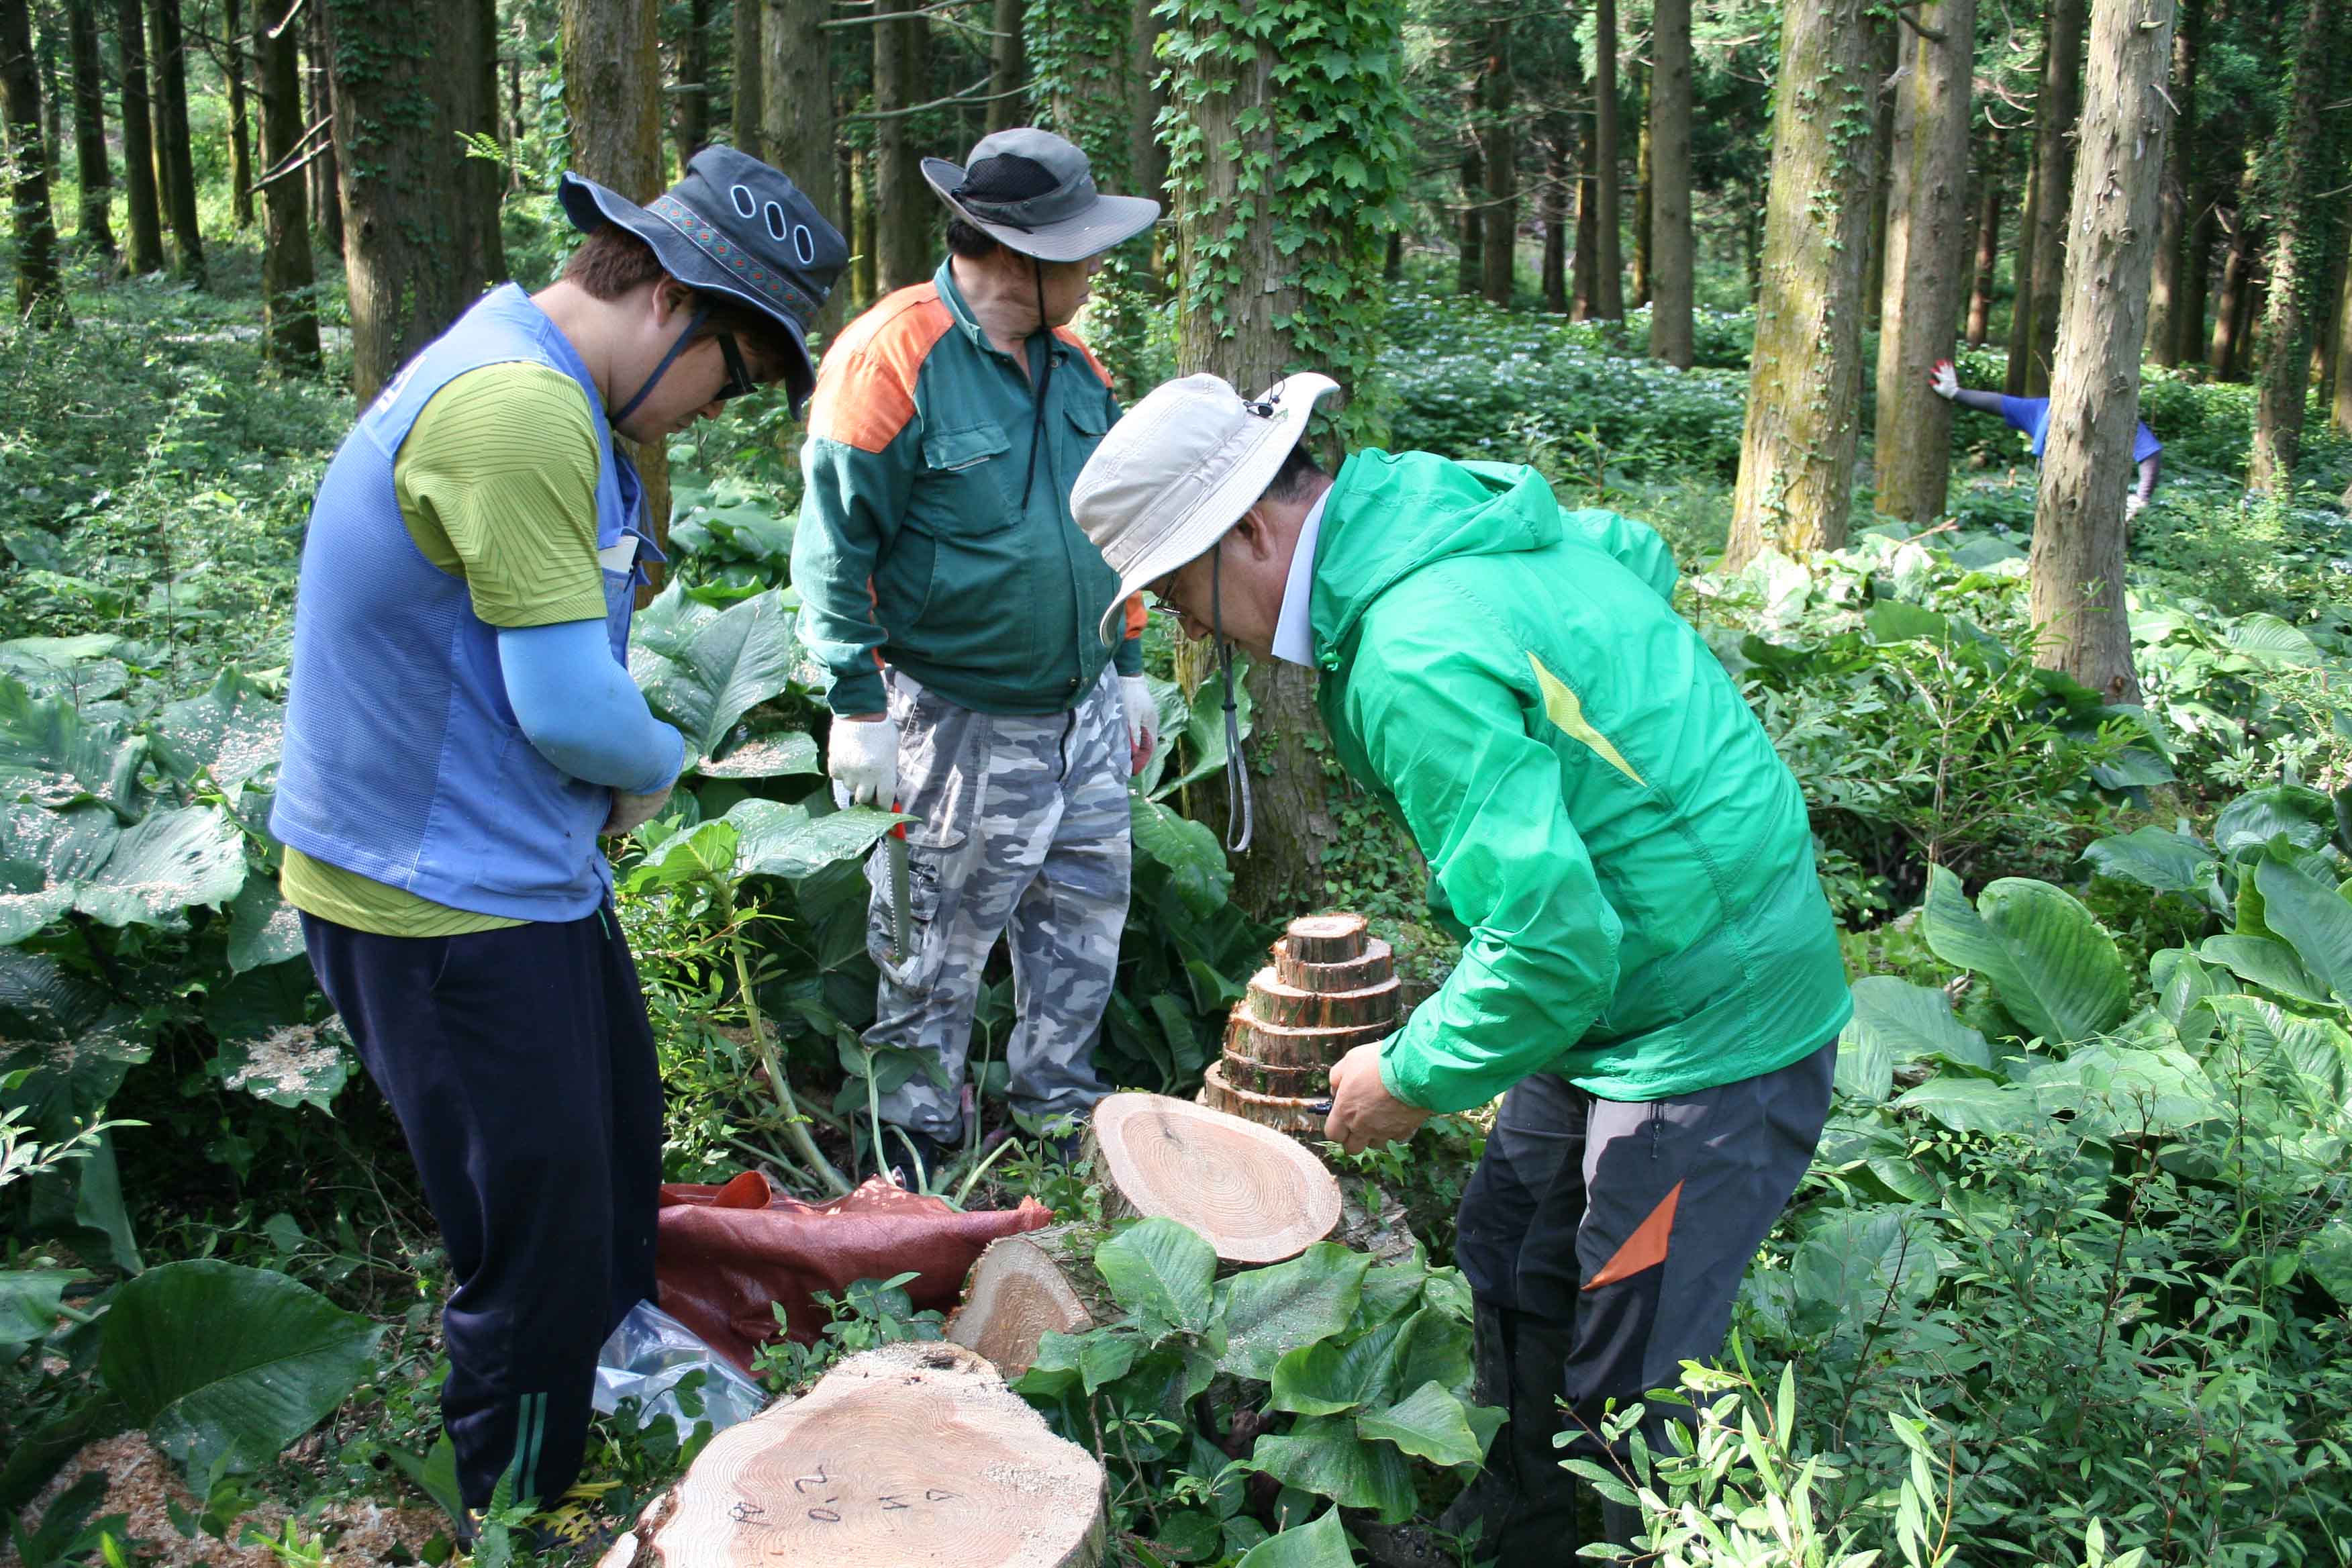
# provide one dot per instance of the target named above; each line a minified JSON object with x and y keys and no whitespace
{"x":2197,"y":275}
{"x":694,"y":76}
{"x":2061,"y":108}
{"x":1147,"y":160}
{"x":1873,"y":271}
{"x":1499,"y":151}
{"x":2169,"y":284}
{"x":2229,"y":309}
{"x":866,"y":270}
{"x":2339,"y":414}
{"x":240,"y":148}
{"x":1796,"y":453}
{"x":1926,"y":260}
{"x":1392,"y":264}
{"x":902,"y":205}
{"x":1470,"y":266}
{"x":1989,"y":176}
{"x":1672,"y":251}
{"x":172,"y":147}
{"x":2325,"y":337}
{"x":96,"y":230}
{"x":1608,"y":262}
{"x":290,"y":326}
{"x":40,"y":291}
{"x":2075,"y":568}
{"x":53,"y":98}
{"x":138,"y":151}
{"x":1558,"y":171}
{"x":1005,"y":67}
{"x":612,"y":92}
{"x":743,"y":89}
{"x":2298,"y":260}
{"x":319,"y":100}
{"x":1584,"y":263}
{"x":2020,"y":281}
{"x":1642,"y":198}
{"x":796,"y":95}
{"x":476,"y":109}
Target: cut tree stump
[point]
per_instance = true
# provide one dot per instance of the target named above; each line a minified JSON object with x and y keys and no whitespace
{"x":1330,"y":989}
{"x":1026,"y":1286}
{"x":1253,"y":1195}
{"x":1326,"y":939}
{"x":1302,"y":1007}
{"x":913,"y":1453}
{"x":1378,"y":963}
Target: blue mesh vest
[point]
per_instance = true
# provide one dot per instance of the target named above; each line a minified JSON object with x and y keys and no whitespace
{"x":403,"y":760}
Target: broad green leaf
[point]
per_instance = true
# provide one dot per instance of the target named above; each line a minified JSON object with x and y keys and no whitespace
{"x":703,"y":674}
{"x":2134,"y":767}
{"x":227,"y":1364}
{"x":2154,"y":858}
{"x":193,"y":855}
{"x":1896,"y":1023}
{"x":259,"y":1001}
{"x":1432,"y":1346}
{"x":1320,"y":1544}
{"x":1429,"y":1424}
{"x":2050,"y":962}
{"x":68,"y":1037}
{"x":28,"y":1304}
{"x":1322,"y":1454}
{"x":766,"y":757}
{"x":2255,"y":818}
{"x":1972,"y":1104}
{"x":2181,"y":983}
{"x":2262,"y":962}
{"x":1162,"y":1272}
{"x":232,"y":733}
{"x":2328,"y":1258}
{"x":1327,"y":1379}
{"x":2117,"y":1089}
{"x":1105,"y":1358}
{"x":2313,"y":919}
{"x":49,"y":756}
{"x":1270,"y":1311}
{"x":1851,"y":1258}
{"x":1392,"y":1288}
{"x":1203,"y":730}
{"x":2268,"y":640}
{"x":43,"y":855}
{"x":2309,"y":1060}
{"x":263,"y":928}
{"x":1189,"y":1535}
{"x":1195,"y":859}
{"x":778,"y":840}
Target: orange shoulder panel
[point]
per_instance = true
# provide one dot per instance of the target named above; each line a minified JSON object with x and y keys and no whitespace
{"x":1079,"y":343}
{"x":865,"y":385}
{"x":1135,"y":615}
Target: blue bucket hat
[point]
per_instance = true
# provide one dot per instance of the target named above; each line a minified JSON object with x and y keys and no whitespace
{"x":733,"y":227}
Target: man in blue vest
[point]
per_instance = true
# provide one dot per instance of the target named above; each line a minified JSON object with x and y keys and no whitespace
{"x":2032,"y":416}
{"x":462,"y":727}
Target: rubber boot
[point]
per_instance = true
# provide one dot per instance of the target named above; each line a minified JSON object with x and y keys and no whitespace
{"x":1522,"y":1502}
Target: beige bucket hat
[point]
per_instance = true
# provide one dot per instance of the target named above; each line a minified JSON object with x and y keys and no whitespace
{"x":1177,"y":473}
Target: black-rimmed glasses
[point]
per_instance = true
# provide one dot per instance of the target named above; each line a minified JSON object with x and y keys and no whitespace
{"x":739,"y":381}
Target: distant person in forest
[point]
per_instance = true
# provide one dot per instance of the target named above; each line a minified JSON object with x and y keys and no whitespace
{"x":2031,"y":414}
{"x":462,"y":727}
{"x":1650,"y":975}
{"x":945,"y":586}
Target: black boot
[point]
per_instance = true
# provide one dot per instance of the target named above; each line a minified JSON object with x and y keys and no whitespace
{"x":1522,"y":1504}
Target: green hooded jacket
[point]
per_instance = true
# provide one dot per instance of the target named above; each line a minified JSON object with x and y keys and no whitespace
{"x":1625,"y":858}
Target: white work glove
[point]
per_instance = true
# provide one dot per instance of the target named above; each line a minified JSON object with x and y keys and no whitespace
{"x":631,"y":812}
{"x":2134,"y":503}
{"x":862,"y":756}
{"x":1943,"y":381}
{"x":1142,"y":719}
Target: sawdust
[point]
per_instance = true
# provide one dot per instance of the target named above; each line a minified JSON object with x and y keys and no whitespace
{"x":288,"y":1060}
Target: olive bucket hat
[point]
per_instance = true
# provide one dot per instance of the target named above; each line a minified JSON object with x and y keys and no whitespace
{"x":1033,"y":192}
{"x":734,"y":226}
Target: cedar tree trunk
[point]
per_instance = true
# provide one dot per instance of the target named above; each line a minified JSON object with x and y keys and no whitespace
{"x":2061,"y":107}
{"x":138,"y":150}
{"x":96,"y":232}
{"x":41,"y":292}
{"x":1672,"y":249}
{"x":290,"y":326}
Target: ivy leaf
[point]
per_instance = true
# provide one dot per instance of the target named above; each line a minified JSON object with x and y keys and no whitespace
{"x":1162,"y":1272}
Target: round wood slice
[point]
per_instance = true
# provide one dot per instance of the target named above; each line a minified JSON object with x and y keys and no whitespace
{"x":1254,"y":1197}
{"x":1376,"y":964}
{"x":1278,"y":1047}
{"x":915,"y":1453}
{"x":1316,"y":1007}
{"x":1312,"y":1082}
{"x":1326,"y":939}
{"x":1018,"y":1293}
{"x":1278,"y":1112}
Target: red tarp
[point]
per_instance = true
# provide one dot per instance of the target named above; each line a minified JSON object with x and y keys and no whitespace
{"x":728,"y":1255}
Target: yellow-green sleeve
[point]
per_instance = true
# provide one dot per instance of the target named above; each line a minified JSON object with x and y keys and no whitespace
{"x":497,"y":482}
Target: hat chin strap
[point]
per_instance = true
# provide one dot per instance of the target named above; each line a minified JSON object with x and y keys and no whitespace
{"x":1239,"y":808}
{"x":675,"y":349}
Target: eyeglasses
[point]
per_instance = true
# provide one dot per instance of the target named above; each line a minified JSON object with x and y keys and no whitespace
{"x":739,"y":381}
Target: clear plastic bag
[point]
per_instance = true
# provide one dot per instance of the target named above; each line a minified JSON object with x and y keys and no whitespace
{"x":650,"y":1354}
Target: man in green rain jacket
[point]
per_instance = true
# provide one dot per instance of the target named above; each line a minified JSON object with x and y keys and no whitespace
{"x":1649,"y":976}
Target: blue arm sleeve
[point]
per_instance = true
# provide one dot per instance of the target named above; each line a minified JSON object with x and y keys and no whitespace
{"x":580,"y":710}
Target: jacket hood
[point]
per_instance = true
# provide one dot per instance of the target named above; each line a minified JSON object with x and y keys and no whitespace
{"x":1390,"y":515}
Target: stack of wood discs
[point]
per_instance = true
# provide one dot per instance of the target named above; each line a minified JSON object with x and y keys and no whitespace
{"x":1330,"y":989}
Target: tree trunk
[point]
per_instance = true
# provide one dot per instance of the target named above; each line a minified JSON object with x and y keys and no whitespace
{"x":2076,"y":568}
{"x":485,"y":242}
{"x":1642,"y":197}
{"x":1796,"y":456}
{"x":138,"y":151}
{"x":1006,"y":72}
{"x":159,"y":131}
{"x":1584,"y":263}
{"x":2059,"y":109}
{"x":1557,"y":173}
{"x":240,"y":148}
{"x":2339,"y":408}
{"x":1499,"y":151}
{"x":612,"y":92}
{"x":1147,"y":160}
{"x":1989,"y":179}
{"x":289,"y":327}
{"x":40,"y":291}
{"x":2298,"y":260}
{"x":319,"y":100}
{"x":903,"y":207}
{"x":865,"y":266}
{"x":744,"y":102}
{"x":1470,"y":263}
{"x":1926,"y":260}
{"x":1672,"y":251}
{"x":96,"y":229}
{"x":693,"y":124}
{"x":2197,"y":276}
{"x":796,"y":94}
{"x":1874,"y":272}
{"x":2229,"y":312}
{"x":2021,"y":282}
{"x":53,"y":99}
{"x":2167,"y":288}
{"x":172,"y":147}
{"x":1609,"y":261}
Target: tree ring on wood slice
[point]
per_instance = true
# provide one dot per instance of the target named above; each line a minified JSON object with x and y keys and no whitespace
{"x":1376,"y":964}
{"x":1278,"y":1047}
{"x":1280,"y":1113}
{"x":913,"y":1453}
{"x":1017,"y":1294}
{"x":1312,"y":1082}
{"x":1253,"y":1195}
{"x":1326,"y":939}
{"x":1318,"y":1006}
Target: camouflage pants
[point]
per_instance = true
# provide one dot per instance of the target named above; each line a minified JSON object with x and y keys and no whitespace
{"x":1023,"y":835}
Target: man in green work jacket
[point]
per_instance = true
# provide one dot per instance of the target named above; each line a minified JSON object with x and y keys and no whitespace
{"x":1649,"y":976}
{"x":945,"y":584}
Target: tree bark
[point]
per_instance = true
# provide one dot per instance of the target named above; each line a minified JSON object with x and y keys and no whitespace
{"x":40,"y":291}
{"x":2339,"y":406}
{"x":865,"y":271}
{"x":319,"y":99}
{"x":1642,"y":197}
{"x":2061,"y":108}
{"x":1672,"y":251}
{"x":240,"y":147}
{"x":1584,"y":262}
{"x":1873,"y":274}
{"x":1005,"y":68}
{"x":1470,"y":263}
{"x":138,"y":150}
{"x":1796,"y":458}
{"x":96,"y":229}
{"x":289,"y":327}
{"x":2297,"y":261}
{"x":796,"y":94}
{"x":1609,"y":261}
{"x":53,"y":98}
{"x":693,"y":124}
{"x":903,"y":205}
{"x":2167,"y":288}
{"x":1499,"y":151}
{"x":1927,"y":264}
{"x":173,"y":147}
{"x":159,"y":131}
{"x":1147,"y":160}
{"x":2021,"y":282}
{"x":1989,"y":179}
{"x":1558,"y":171}
{"x":744,"y":103}
{"x":2076,"y":568}
{"x":2197,"y":275}
{"x":2229,"y":312}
